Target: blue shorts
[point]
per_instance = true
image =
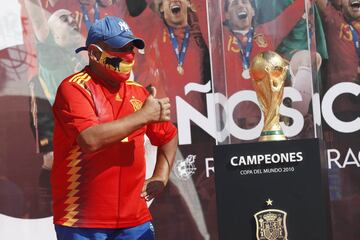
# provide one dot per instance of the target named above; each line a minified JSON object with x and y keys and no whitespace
{"x":142,"y":232}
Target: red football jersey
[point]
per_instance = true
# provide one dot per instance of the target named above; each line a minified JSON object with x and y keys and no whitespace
{"x":344,"y":59}
{"x":158,"y":66}
{"x":100,"y":189}
{"x":267,"y":36}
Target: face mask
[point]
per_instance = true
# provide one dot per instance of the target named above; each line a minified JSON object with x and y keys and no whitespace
{"x":115,"y":66}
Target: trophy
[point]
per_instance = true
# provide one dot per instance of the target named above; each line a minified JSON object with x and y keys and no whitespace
{"x":268,"y":72}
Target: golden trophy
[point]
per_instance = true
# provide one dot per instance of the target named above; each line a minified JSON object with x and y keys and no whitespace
{"x":268,"y":72}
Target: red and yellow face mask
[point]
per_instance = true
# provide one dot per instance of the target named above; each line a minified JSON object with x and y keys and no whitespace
{"x":115,"y":65}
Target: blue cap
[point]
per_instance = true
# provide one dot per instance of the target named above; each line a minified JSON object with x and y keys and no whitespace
{"x":113,"y":31}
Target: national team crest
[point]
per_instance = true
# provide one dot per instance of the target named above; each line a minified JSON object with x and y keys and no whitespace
{"x":137,"y":104}
{"x":259,"y":38}
{"x":271,"y":225}
{"x":185,"y":168}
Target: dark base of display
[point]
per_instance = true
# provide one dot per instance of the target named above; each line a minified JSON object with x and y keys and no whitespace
{"x":289,"y":174}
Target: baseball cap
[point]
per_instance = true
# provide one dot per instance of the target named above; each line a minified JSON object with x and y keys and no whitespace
{"x":113,"y":31}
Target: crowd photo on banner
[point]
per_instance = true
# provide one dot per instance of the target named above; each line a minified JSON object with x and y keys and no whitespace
{"x":198,"y":54}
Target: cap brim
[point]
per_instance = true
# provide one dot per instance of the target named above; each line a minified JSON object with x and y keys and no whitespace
{"x":120,"y":41}
{"x":80,"y":49}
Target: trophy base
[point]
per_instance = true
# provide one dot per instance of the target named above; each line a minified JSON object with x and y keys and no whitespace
{"x":277,"y":135}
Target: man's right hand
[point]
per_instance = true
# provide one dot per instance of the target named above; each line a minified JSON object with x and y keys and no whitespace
{"x":156,"y":110}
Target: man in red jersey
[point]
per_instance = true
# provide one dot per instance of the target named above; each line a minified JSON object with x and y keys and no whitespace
{"x":175,"y":60}
{"x":101,"y":116}
{"x":243,"y":39}
{"x":176,"y":53}
{"x":342,"y":28}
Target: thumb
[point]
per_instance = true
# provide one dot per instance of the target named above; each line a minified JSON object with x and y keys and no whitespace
{"x":143,"y":190}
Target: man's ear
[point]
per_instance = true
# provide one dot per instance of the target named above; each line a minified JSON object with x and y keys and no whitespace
{"x":252,"y":11}
{"x":161,"y":7}
{"x":227,"y":16}
{"x":191,"y":6}
{"x":94,"y":52}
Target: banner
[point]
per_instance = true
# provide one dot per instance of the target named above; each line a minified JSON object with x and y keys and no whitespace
{"x":212,"y":98}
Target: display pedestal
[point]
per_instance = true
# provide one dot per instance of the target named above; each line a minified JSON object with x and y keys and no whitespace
{"x":291,"y":175}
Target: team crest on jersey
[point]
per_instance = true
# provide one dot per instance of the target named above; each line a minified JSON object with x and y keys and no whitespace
{"x":260,"y":40}
{"x":271,"y":225}
{"x":136,"y":104}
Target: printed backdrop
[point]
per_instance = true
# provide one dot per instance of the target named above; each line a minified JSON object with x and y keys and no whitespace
{"x":213,"y":101}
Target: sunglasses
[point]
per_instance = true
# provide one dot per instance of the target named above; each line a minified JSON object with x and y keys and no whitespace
{"x":126,"y":48}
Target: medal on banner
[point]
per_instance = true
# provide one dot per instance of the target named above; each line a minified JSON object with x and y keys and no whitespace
{"x":245,"y":74}
{"x":245,"y":52}
{"x":180,"y":69}
{"x":180,"y":55}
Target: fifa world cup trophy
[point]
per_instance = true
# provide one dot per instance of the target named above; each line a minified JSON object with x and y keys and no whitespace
{"x":268,"y":72}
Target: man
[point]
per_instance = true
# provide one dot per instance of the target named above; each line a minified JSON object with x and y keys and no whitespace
{"x":342,"y":30}
{"x":342,"y":27}
{"x":101,"y":116}
{"x":56,"y":39}
{"x":176,"y":55}
{"x":243,"y":40}
{"x":176,"y":52}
